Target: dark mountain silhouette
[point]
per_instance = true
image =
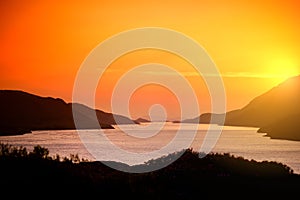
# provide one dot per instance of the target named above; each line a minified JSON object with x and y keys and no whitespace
{"x":141,"y":120}
{"x":206,"y":118}
{"x":276,"y":112}
{"x":22,"y":112}
{"x":287,"y":128}
{"x":277,"y":104}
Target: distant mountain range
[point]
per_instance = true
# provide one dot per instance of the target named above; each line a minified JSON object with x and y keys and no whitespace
{"x":276,"y":112}
{"x":22,"y":112}
{"x":141,"y":120}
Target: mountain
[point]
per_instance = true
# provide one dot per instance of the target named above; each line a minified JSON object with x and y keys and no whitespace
{"x":287,"y":128}
{"x":141,"y":120}
{"x":206,"y":118}
{"x":277,"y":104}
{"x":22,"y":112}
{"x":276,"y":112}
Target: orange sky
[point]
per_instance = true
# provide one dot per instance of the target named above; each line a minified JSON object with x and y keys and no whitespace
{"x":255,"y":45}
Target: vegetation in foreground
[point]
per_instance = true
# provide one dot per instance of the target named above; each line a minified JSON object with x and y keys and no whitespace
{"x":216,"y":175}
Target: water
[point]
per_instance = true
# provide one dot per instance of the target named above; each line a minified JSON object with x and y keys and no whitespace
{"x":238,"y":141}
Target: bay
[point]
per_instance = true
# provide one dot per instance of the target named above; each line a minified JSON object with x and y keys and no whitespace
{"x":238,"y":141}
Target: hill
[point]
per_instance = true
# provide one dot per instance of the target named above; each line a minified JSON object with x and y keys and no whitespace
{"x":22,"y":112}
{"x":276,"y":112}
{"x":215,"y":175}
{"x":206,"y":118}
{"x":279,"y":103}
{"x":141,"y":120}
{"x":287,"y":128}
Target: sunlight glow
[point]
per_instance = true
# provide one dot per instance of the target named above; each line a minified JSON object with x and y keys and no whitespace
{"x":283,"y":68}
{"x":255,"y":44}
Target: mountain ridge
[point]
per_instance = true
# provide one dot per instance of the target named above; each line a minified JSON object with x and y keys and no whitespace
{"x":269,"y":112}
{"x":141,"y":120}
{"x":23,"y":112}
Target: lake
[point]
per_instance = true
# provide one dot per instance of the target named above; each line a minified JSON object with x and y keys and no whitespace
{"x":238,"y":141}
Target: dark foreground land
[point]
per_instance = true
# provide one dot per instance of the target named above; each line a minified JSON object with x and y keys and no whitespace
{"x":37,"y":175}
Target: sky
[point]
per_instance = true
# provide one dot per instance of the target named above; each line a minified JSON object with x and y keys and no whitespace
{"x":254,"y":44}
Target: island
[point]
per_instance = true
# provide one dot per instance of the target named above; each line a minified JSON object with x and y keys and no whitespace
{"x":141,"y":120}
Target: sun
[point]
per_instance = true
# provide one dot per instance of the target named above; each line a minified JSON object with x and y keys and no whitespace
{"x":283,"y":68}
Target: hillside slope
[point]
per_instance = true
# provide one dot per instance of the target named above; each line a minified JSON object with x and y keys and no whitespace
{"x":22,"y":112}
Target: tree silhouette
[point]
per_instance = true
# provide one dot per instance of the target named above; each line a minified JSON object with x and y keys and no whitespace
{"x":39,"y":152}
